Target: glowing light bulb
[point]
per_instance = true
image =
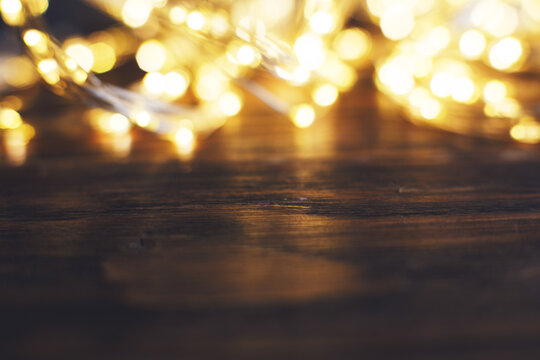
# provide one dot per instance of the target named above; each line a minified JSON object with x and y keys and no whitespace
{"x":184,"y":140}
{"x":178,"y":15}
{"x":495,"y":91}
{"x":246,"y":55}
{"x":352,"y":44}
{"x":175,"y":84}
{"x":430,"y":109}
{"x":151,"y":55}
{"x":472,"y":44}
{"x":82,"y":54}
{"x":154,"y":83}
{"x":230,"y":103}
{"x":397,"y":22}
{"x":196,"y":20}
{"x":322,"y":22}
{"x":135,"y":13}
{"x":505,"y":53}
{"x":49,"y":70}
{"x":104,"y":57}
{"x":303,"y":116}
{"x":325,"y":95}
{"x":143,"y":118}
{"x":309,"y":49}
{"x":526,"y":131}
{"x":441,"y":84}
{"x":463,"y":89}
{"x":9,"y":119}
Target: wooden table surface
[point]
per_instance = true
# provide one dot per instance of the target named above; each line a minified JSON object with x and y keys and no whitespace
{"x":361,"y":237}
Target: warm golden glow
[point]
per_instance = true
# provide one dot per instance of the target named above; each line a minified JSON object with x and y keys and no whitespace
{"x":12,"y":12}
{"x":309,"y":49}
{"x":151,"y":55}
{"x":49,"y":71}
{"x":325,"y":95}
{"x":154,"y":83}
{"x":175,"y":84}
{"x":322,"y":22}
{"x":303,"y":116}
{"x":104,"y":57}
{"x":352,"y":44}
{"x":397,"y":22}
{"x":178,"y":15}
{"x":527,"y":131}
{"x":447,"y":62}
{"x":18,"y":72}
{"x":82,"y":54}
{"x":9,"y":119}
{"x":135,"y":13}
{"x":196,"y":20}
{"x":505,"y":53}
{"x":230,"y":103}
{"x":472,"y":44}
{"x":109,"y":122}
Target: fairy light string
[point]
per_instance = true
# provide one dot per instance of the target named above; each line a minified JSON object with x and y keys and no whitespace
{"x":466,"y":66}
{"x":198,"y":59}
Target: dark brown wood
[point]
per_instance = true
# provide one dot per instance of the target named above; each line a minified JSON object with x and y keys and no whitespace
{"x":361,"y":237}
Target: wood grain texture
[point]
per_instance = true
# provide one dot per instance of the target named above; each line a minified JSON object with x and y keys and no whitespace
{"x":361,"y":237}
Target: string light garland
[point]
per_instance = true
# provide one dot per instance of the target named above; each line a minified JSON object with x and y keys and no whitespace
{"x":466,"y":66}
{"x":198,"y":61}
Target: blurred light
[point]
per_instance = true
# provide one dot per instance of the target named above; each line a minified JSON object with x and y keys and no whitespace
{"x":81,"y":54}
{"x":49,"y":70}
{"x":184,"y":138}
{"x":230,"y":103}
{"x":143,"y":118}
{"x":303,"y":116}
{"x":246,"y":55}
{"x":495,"y":91}
{"x":196,"y":20}
{"x":472,"y":44}
{"x":104,"y":57}
{"x":19,"y":72}
{"x":12,"y":12}
{"x":505,"y":53}
{"x":210,"y":83}
{"x":430,"y":109}
{"x":108,"y":122}
{"x":15,"y":141}
{"x":309,"y":49}
{"x":325,"y":95}
{"x":175,"y":84}
{"x":9,"y":119}
{"x":135,"y":13}
{"x":441,"y":84}
{"x":177,"y":15}
{"x":36,"y":40}
{"x":322,"y":22}
{"x":463,"y":89}
{"x":154,"y":83}
{"x":397,"y":22}
{"x":151,"y":56}
{"x":526,"y":131}
{"x":352,"y":44}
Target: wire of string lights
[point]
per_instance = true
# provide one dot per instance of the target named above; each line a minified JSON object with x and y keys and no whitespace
{"x":198,"y":59}
{"x":468,"y":66}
